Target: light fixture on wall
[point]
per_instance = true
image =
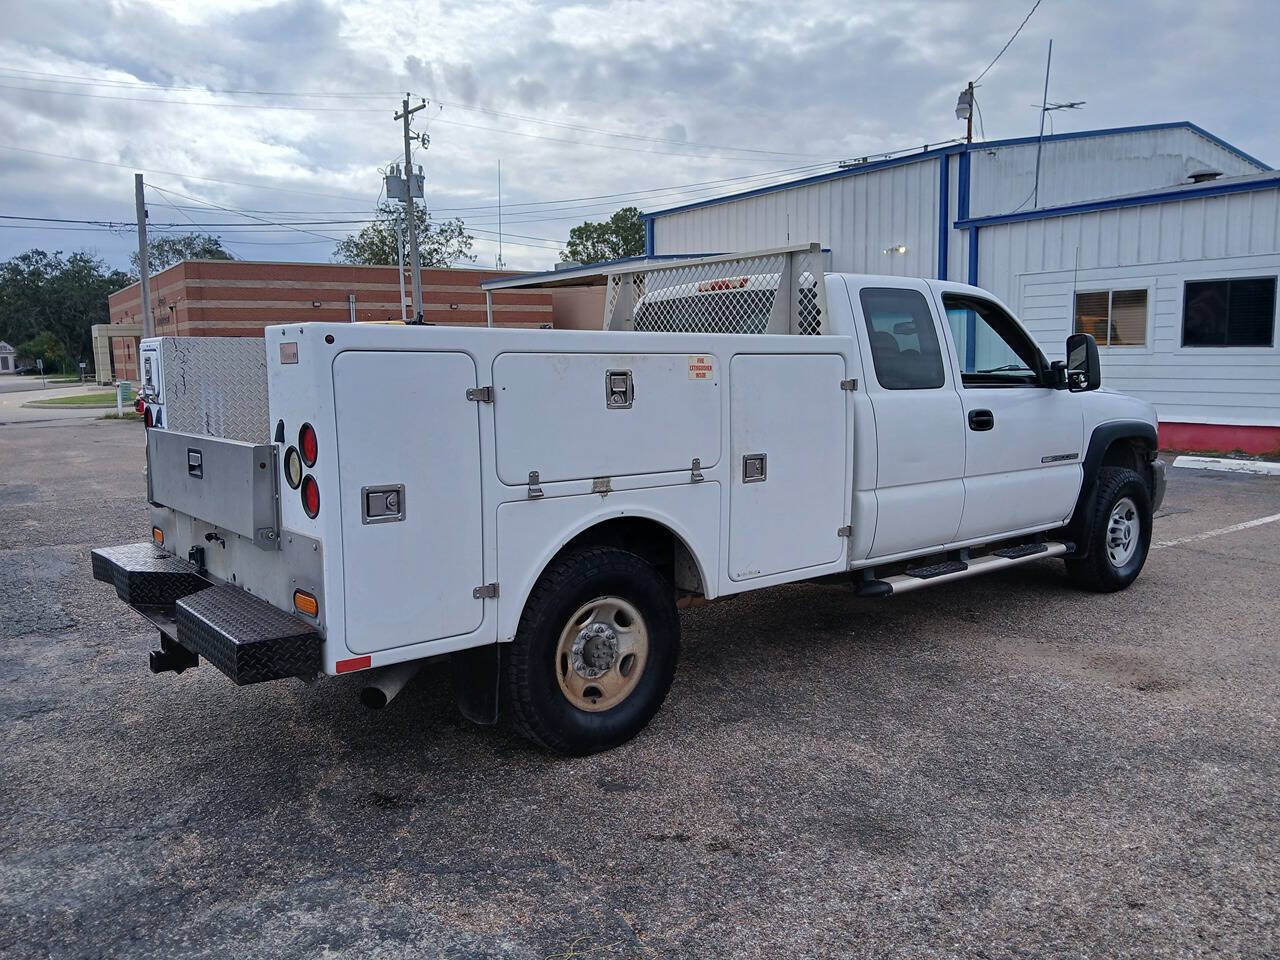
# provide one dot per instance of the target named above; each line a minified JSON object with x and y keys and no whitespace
{"x":896,"y":248}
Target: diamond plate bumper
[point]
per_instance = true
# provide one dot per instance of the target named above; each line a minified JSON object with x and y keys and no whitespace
{"x":242,"y":635}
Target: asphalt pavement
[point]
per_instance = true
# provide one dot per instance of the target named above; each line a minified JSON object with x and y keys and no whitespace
{"x":999,"y":767}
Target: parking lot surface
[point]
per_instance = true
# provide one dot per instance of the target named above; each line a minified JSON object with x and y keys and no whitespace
{"x":999,"y":767}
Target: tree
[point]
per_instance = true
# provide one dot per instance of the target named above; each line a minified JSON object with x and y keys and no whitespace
{"x":166,"y":250}
{"x":622,"y":235}
{"x":61,"y":296}
{"x":439,"y":244}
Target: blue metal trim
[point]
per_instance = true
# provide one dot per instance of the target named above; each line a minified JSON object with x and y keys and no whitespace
{"x":1137,"y":200}
{"x":962,"y":190}
{"x":971,"y":333}
{"x":944,"y":213}
{"x":960,"y":149}
{"x":648,"y":237}
{"x":973,"y":256}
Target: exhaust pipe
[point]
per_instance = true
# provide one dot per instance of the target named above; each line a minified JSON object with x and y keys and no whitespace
{"x":383,"y":685}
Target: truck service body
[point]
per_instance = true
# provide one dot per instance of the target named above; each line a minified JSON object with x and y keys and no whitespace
{"x":537,"y":503}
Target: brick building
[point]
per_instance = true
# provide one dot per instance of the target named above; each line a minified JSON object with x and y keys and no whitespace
{"x":238,"y":298}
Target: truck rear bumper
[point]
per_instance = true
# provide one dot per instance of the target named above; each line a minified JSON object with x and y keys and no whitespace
{"x":242,"y":635}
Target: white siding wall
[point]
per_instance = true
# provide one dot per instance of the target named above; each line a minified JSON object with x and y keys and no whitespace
{"x":857,"y":217}
{"x":1089,"y":168}
{"x":1031,"y":265}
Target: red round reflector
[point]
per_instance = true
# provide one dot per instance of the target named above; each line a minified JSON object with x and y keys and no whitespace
{"x":310,"y":496}
{"x":139,"y":405}
{"x":147,"y":418}
{"x":308,"y":446}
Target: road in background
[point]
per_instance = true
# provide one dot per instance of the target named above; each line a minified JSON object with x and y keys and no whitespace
{"x":998,"y":767}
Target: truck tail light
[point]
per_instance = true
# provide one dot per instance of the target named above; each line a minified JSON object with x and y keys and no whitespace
{"x":147,"y":418}
{"x":308,"y":446}
{"x":310,"y":496}
{"x":306,"y":603}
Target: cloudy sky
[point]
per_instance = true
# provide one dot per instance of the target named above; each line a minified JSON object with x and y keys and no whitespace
{"x":254,"y":113}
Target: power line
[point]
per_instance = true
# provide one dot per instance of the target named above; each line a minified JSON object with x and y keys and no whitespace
{"x":455,"y":104}
{"x":183,"y":176}
{"x":372,"y":110}
{"x":1011,"y":39}
{"x":247,"y":215}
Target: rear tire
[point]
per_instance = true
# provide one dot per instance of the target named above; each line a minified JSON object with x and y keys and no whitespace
{"x":595,"y":651}
{"x":1119,"y":535}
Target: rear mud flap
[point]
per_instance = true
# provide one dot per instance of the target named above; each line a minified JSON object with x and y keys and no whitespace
{"x":476,"y":675}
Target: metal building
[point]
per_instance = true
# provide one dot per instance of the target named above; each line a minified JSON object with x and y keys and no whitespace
{"x":1161,"y":240}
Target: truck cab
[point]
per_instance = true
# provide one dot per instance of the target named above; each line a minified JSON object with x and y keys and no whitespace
{"x":536,"y":505}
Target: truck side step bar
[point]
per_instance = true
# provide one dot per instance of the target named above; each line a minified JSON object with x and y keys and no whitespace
{"x":914,"y":578}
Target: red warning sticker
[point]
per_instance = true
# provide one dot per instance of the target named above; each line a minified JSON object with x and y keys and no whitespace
{"x":701,"y":367}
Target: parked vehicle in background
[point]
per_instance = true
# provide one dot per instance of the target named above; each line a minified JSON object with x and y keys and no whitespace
{"x":537,"y":504}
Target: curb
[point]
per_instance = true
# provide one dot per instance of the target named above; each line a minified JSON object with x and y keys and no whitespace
{"x":1229,"y":465}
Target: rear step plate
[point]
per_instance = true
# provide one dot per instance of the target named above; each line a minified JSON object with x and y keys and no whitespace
{"x":146,"y":576}
{"x":247,"y":638}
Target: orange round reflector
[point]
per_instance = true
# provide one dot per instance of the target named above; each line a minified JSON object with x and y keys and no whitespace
{"x":310,"y":496}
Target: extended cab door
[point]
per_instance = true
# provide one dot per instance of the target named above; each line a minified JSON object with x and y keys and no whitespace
{"x":919,"y":424}
{"x":1022,"y":437}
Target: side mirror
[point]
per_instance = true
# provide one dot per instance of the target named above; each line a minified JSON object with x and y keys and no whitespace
{"x":1084,"y":372}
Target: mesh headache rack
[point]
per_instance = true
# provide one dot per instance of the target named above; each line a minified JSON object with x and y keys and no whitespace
{"x":768,"y":291}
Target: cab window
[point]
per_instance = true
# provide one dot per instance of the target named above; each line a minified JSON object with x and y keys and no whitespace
{"x":904,"y":341}
{"x":993,"y":349}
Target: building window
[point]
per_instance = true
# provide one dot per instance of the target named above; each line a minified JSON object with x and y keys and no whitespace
{"x":1115,"y":318}
{"x":904,"y":340}
{"x":1239,"y":312}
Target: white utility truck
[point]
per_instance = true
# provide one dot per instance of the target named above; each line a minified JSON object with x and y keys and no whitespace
{"x":538,"y":504}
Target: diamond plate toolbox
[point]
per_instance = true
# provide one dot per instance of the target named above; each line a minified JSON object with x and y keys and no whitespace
{"x":216,"y":387}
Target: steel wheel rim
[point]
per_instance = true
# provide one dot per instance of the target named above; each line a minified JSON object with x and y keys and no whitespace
{"x":1124,"y":530}
{"x":602,"y":654}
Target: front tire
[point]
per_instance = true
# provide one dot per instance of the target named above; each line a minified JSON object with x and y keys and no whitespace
{"x":595,"y":652}
{"x":1119,"y":535}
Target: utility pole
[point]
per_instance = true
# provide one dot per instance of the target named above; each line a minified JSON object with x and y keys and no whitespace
{"x":140,"y":202}
{"x":500,"y":263}
{"x":405,"y":113}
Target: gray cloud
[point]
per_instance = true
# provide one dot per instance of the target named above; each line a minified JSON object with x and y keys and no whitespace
{"x":806,"y":80}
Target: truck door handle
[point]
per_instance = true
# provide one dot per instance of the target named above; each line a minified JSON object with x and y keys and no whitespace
{"x":981,"y":420}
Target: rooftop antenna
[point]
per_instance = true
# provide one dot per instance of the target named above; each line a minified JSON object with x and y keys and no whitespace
{"x":1047,"y":108}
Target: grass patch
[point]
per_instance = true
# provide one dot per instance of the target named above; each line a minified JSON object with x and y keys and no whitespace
{"x":82,"y":400}
{"x":127,"y":415}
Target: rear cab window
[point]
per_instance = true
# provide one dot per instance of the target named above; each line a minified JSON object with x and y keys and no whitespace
{"x":904,"y":341}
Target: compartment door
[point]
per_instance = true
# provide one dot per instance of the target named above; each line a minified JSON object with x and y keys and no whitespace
{"x":409,"y":565}
{"x":789,"y":493}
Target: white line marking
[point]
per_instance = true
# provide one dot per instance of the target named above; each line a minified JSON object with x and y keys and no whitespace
{"x":1216,"y":533}
{"x":1229,"y":465}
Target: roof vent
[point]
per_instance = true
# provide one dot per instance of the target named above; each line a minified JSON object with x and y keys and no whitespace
{"x":570,"y":265}
{"x":1204,"y":175}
